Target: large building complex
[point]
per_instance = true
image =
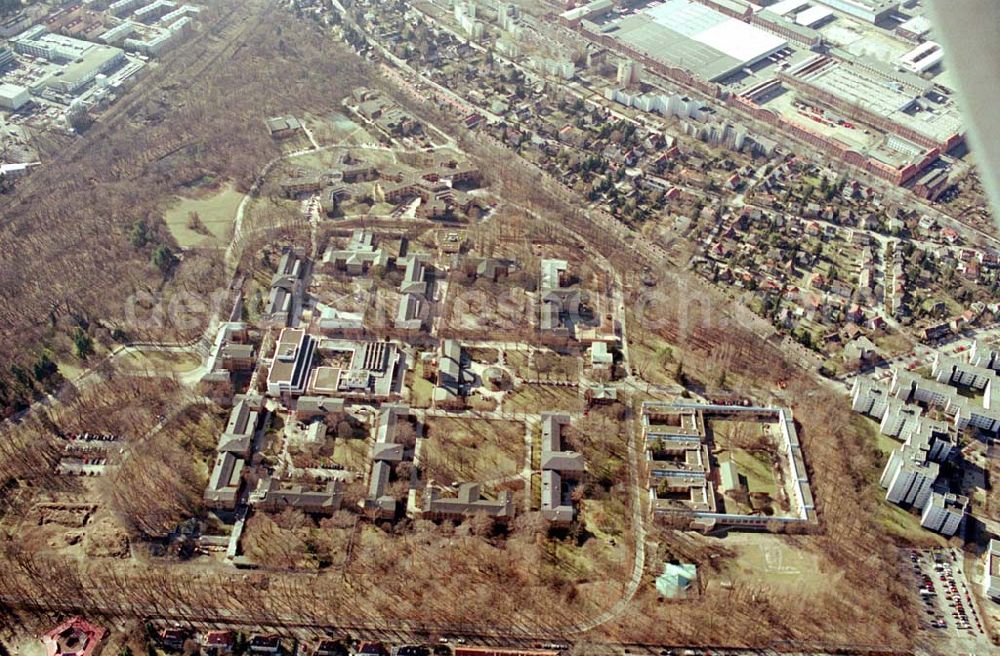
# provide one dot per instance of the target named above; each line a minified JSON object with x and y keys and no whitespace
{"x":962,"y":395}
{"x":901,"y":103}
{"x":355,"y":369}
{"x":685,"y":480}
{"x":697,"y":38}
{"x":82,"y":61}
{"x":748,"y":56}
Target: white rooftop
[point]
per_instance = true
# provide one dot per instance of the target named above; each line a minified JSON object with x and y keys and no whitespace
{"x":740,"y":40}
{"x":730,"y":36}
{"x":787,"y":6}
{"x":813,"y":15}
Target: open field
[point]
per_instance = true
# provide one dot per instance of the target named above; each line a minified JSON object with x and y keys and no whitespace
{"x":539,"y":398}
{"x":772,"y":561}
{"x":167,"y":362}
{"x":652,"y":363}
{"x":326,"y":159}
{"x":332,"y":128}
{"x":472,"y":450}
{"x":215,"y":212}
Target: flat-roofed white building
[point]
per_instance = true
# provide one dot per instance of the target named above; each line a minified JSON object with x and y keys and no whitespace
{"x":293,"y":357}
{"x":952,"y":371}
{"x":922,"y":58}
{"x":709,"y":43}
{"x":785,"y":7}
{"x":934,"y":436}
{"x":984,"y":355}
{"x":13,"y":96}
{"x":914,"y":389}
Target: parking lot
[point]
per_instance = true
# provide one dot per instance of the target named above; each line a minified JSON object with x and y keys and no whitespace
{"x":946,"y":600}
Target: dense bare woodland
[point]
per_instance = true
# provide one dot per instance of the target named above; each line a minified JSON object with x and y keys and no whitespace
{"x":71,"y":253}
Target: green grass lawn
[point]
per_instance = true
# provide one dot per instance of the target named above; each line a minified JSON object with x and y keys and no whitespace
{"x":905,"y":526}
{"x":758,"y":472}
{"x":421,"y":389}
{"x":216,"y":212}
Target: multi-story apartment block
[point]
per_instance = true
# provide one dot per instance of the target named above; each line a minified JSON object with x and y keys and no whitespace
{"x":984,"y":355}
{"x":944,"y":513}
{"x":908,"y":477}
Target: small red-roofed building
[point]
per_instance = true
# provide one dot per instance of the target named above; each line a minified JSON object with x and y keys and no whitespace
{"x":218,"y":642}
{"x":74,"y":637}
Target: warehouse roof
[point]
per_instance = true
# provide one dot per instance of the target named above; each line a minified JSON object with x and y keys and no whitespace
{"x":697,"y":38}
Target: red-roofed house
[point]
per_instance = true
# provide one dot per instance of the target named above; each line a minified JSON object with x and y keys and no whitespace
{"x":218,"y":642}
{"x":74,"y":637}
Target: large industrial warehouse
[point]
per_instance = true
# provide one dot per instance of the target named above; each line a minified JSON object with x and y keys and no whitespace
{"x":696,"y":38}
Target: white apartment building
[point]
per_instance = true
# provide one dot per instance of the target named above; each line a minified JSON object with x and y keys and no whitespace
{"x":908,"y":477}
{"x":984,"y":355}
{"x":900,"y":418}
{"x":952,"y":371}
{"x":944,"y":513}
{"x":869,"y":398}
{"x":934,"y":437}
{"x":914,"y":389}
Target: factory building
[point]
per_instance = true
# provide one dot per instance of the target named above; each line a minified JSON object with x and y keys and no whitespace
{"x":694,"y":37}
{"x":13,"y":96}
{"x":871,"y":11}
{"x":900,"y":103}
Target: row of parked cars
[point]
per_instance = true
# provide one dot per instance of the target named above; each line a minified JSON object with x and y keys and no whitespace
{"x":955,"y":596}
